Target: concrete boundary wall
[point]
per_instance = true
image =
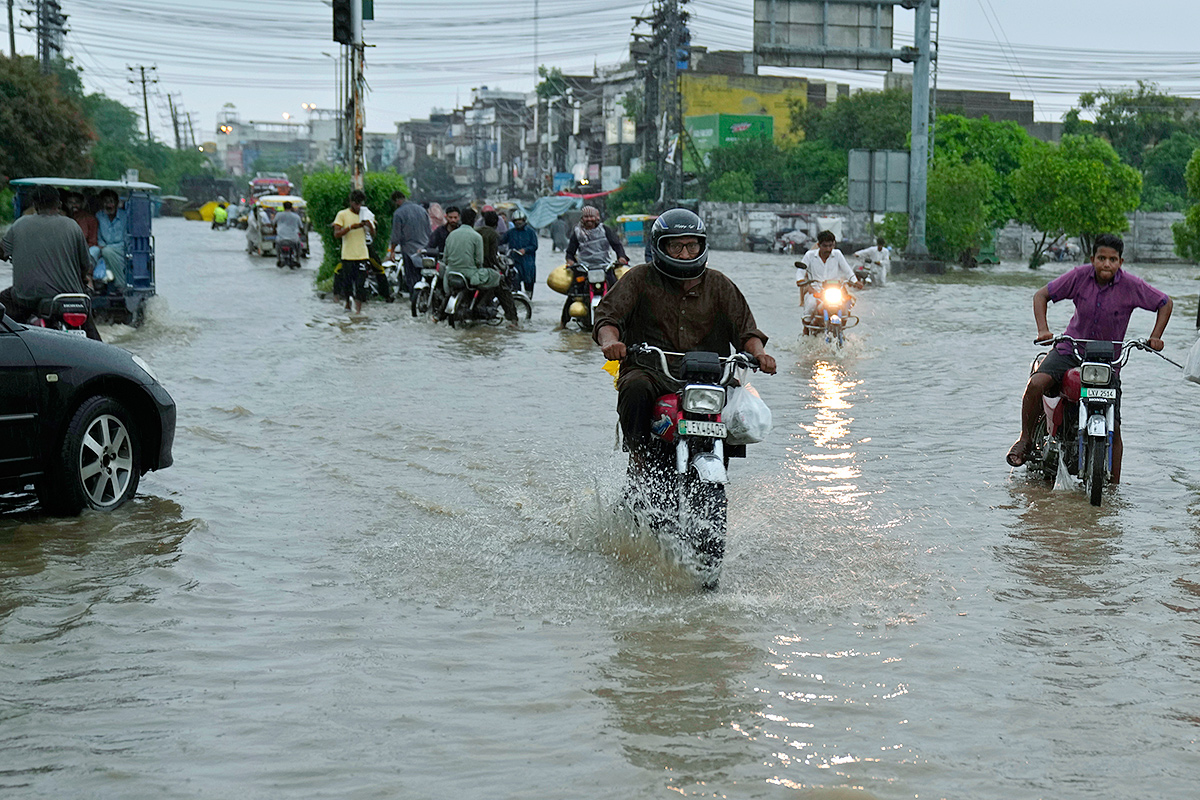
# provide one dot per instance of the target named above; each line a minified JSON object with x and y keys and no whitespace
{"x":738,"y":226}
{"x":1148,"y":240}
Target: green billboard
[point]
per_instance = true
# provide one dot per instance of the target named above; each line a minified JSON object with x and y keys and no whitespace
{"x":710,"y":131}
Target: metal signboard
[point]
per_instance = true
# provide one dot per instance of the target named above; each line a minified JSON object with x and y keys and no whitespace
{"x":878,"y":181}
{"x":824,"y":34}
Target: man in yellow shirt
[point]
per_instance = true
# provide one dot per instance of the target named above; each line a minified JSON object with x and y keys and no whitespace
{"x":356,"y":264}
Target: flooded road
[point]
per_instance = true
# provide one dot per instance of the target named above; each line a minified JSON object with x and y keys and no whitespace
{"x":383,"y":566}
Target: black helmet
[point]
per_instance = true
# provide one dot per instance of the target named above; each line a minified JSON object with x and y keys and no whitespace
{"x":673,"y":224}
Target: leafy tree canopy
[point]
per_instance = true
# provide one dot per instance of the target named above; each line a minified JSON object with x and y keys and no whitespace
{"x":866,"y":120}
{"x":43,"y":131}
{"x":553,"y":84}
{"x":1163,"y":172}
{"x":637,"y":194}
{"x":799,"y":173}
{"x":1000,"y":146}
{"x":1076,"y":188}
{"x":1133,"y":120}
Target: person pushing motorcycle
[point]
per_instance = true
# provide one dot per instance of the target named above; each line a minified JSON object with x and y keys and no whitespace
{"x":676,"y":303}
{"x":1104,"y":296}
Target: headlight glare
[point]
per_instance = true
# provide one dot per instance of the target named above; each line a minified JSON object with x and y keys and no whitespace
{"x":703,"y":399}
{"x":833,"y":296}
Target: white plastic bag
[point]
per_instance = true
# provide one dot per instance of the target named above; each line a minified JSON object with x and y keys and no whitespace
{"x":1191,"y":368}
{"x":746,"y":417}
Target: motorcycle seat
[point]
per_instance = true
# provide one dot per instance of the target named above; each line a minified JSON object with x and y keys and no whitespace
{"x":456,"y":281}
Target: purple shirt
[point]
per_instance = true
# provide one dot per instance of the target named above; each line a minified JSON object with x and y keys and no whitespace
{"x":1102,"y":312}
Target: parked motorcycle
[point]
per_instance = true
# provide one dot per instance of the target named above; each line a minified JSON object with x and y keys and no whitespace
{"x":832,"y":316}
{"x":423,"y":290}
{"x":680,"y":489}
{"x":1076,"y":428}
{"x":587,"y":288}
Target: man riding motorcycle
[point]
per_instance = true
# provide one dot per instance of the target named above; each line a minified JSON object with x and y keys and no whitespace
{"x":675,"y":303}
{"x":49,"y":257}
{"x":593,"y":244}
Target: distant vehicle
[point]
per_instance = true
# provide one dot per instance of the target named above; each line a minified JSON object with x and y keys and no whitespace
{"x":80,"y":420}
{"x":264,"y":183}
{"x":137,"y":200}
{"x":260,"y":235}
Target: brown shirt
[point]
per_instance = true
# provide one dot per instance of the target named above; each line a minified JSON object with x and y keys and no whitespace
{"x":645,"y":306}
{"x":89,"y":226}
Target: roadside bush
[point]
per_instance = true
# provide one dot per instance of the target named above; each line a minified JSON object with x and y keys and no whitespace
{"x":326,"y":193}
{"x":637,"y":195}
{"x":733,"y":187}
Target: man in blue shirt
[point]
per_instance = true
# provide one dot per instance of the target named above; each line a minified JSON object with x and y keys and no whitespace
{"x":111,"y":236}
{"x":522,"y":242}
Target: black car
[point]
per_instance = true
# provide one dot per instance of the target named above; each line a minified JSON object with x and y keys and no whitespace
{"x":80,"y":420}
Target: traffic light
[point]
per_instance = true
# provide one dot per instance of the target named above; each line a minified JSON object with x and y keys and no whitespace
{"x":343,"y":22}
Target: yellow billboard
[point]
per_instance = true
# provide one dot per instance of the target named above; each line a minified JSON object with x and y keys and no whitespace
{"x":744,"y":94}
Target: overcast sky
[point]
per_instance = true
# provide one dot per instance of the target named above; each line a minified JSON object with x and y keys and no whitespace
{"x":268,"y":57}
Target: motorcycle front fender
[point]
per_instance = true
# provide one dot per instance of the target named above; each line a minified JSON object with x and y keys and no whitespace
{"x":710,"y":468}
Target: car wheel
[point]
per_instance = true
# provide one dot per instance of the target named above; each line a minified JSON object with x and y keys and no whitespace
{"x":99,"y":463}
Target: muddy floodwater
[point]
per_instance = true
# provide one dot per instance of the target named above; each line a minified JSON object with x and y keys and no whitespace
{"x":384,"y":565}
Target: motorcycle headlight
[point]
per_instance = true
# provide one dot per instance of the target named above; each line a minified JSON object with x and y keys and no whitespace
{"x":1096,"y":374}
{"x":703,"y":399}
{"x":833,"y":296}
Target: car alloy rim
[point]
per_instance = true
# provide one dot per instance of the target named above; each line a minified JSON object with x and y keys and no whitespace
{"x":106,"y":460}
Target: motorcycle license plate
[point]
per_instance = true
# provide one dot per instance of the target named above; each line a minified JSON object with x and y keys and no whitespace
{"x":1100,"y":394}
{"x":695,"y":427}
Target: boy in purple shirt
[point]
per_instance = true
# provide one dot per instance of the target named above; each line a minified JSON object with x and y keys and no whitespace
{"x":1104,"y":298}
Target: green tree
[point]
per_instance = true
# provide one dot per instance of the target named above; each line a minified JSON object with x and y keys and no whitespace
{"x":553,"y":83}
{"x":1133,"y":120}
{"x":1165,"y":186}
{"x":1187,"y":230}
{"x":867,"y":121}
{"x":733,"y":187}
{"x":43,"y":130}
{"x":1001,"y":146}
{"x":957,"y":215}
{"x":637,"y":194}
{"x":799,"y":173}
{"x":1076,"y":188}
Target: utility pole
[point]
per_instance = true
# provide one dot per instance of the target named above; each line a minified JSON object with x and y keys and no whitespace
{"x":49,"y":26}
{"x":360,"y":116}
{"x":12,"y":32}
{"x":664,"y":108}
{"x":191,"y":129}
{"x":174,"y":121}
{"x":145,"y":95}
{"x":918,"y":164}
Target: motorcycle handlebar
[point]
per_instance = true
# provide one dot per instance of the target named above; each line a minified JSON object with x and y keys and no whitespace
{"x":742,"y":359}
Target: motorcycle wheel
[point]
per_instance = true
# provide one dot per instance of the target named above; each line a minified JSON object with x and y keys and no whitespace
{"x":702,"y":524}
{"x":1093,"y":465}
{"x":420,"y":301}
{"x":524,"y":307}
{"x":1046,"y":460}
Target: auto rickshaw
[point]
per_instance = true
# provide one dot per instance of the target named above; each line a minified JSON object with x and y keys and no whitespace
{"x":260,"y":230}
{"x":126,"y":307}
